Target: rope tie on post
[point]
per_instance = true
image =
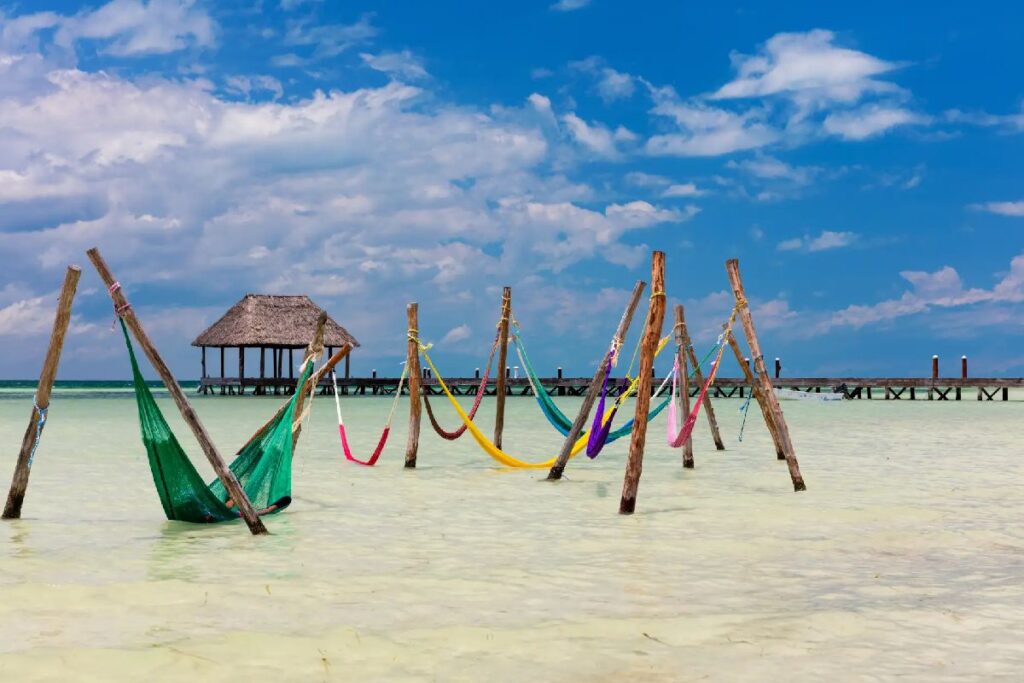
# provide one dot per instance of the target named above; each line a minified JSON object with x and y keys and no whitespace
{"x":39,"y":431}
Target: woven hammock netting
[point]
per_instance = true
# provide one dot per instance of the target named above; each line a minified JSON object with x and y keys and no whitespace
{"x":263,"y":467}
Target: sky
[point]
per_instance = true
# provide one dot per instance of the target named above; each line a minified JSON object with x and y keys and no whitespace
{"x":862,"y":160}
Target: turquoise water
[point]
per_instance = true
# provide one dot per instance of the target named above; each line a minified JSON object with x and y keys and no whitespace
{"x":902,"y":560}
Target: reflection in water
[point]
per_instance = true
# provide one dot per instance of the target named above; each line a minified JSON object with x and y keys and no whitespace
{"x":902,"y":559}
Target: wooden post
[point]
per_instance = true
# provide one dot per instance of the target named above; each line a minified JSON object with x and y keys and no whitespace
{"x":595,"y":386}
{"x":499,"y":414}
{"x":963,"y":374}
{"x":684,"y":376}
{"x":223,"y":387}
{"x":315,"y":348}
{"x":655,"y":318}
{"x":771,"y":400}
{"x":227,"y":477}
{"x":313,"y":380}
{"x":263,"y":370}
{"x":291,"y":364}
{"x":778,"y":367}
{"x":412,"y":360}
{"x":748,"y":375}
{"x":241,"y":370}
{"x":203,"y":362}
{"x":935,"y":377}
{"x":698,"y":377}
{"x":348,"y":367}
{"x":37,"y":420}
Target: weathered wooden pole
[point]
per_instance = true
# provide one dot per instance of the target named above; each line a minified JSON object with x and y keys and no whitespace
{"x":748,"y":375}
{"x":34,"y":431}
{"x":649,"y":344}
{"x":412,"y":360}
{"x":595,"y":385}
{"x":499,"y":406}
{"x":935,"y":377}
{"x":778,"y":367}
{"x":226,"y":476}
{"x":241,"y":370}
{"x":684,"y":377}
{"x":963,"y":374}
{"x":698,"y":377}
{"x":315,"y":348}
{"x":312,"y":381}
{"x":732,"y":266}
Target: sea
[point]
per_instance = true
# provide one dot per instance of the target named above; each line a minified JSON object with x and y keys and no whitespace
{"x":903,"y":559}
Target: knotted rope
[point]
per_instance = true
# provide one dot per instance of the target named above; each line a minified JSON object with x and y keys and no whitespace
{"x":39,"y":431}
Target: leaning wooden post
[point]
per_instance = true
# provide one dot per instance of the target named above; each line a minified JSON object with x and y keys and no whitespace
{"x":412,"y":360}
{"x":769,"y":421}
{"x":315,"y":348}
{"x":227,"y":477}
{"x":732,"y":266}
{"x":684,"y":376}
{"x":595,"y":386}
{"x":698,"y":377}
{"x":649,"y":344}
{"x":499,"y":414}
{"x":34,"y":432}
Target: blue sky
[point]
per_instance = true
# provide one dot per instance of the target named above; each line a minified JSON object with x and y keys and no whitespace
{"x":862,"y":160}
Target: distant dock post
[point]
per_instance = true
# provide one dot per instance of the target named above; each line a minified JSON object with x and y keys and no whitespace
{"x":502,"y":384}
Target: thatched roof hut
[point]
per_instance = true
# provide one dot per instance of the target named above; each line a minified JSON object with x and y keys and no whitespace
{"x":267,"y":321}
{"x":272,"y":321}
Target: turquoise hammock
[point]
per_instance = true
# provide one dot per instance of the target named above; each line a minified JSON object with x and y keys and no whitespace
{"x":263,"y":466}
{"x":551,"y":411}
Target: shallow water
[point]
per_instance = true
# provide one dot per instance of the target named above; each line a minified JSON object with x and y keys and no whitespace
{"x":903,"y":559}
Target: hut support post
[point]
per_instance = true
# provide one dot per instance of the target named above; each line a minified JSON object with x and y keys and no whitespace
{"x":263,"y":370}
{"x":499,"y":414}
{"x":412,"y":360}
{"x":748,"y":375}
{"x":203,"y":363}
{"x":227,"y":477}
{"x":684,"y":376}
{"x":698,"y":377}
{"x":34,"y":431}
{"x":765,"y":384}
{"x":241,"y":370}
{"x":595,"y":386}
{"x":655,"y":317}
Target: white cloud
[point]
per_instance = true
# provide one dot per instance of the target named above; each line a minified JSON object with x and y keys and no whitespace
{"x":1015,"y":209}
{"x":569,"y":5}
{"x":870,"y":121}
{"x":326,"y":40}
{"x":640,"y":179}
{"x":790,"y":62}
{"x":249,"y":85}
{"x":705,"y":130}
{"x":456,"y":334}
{"x":124,"y":27}
{"x":402,"y":65}
{"x":683,"y":190}
{"x":595,"y":137}
{"x":827,"y":240}
{"x":943,"y":289}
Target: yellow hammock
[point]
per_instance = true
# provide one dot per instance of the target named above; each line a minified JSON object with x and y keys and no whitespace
{"x":501,"y":456}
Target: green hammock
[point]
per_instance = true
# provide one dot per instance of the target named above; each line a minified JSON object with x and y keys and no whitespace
{"x":263,"y":467}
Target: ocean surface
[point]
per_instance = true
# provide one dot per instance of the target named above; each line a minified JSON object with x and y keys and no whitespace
{"x":904,"y":559}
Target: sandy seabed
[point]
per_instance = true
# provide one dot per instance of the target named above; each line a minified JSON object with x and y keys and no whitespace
{"x":904,"y":559}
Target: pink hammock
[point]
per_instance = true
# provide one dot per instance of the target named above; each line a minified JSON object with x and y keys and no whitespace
{"x":372,"y":460}
{"x":677,"y":439}
{"x":454,"y":434}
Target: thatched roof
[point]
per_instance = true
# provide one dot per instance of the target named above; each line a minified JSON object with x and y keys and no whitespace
{"x":272,"y":320}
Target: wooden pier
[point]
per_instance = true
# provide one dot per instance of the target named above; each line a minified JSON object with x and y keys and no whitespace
{"x":862,"y":388}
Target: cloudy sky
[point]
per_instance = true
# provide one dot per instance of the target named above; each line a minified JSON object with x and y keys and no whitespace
{"x":863,"y":162}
